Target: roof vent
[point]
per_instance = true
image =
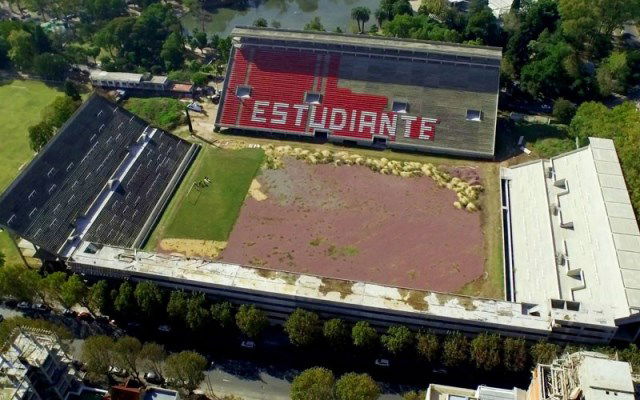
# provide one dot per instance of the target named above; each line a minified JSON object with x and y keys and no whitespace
{"x":474,"y":115}
{"x":549,"y":172}
{"x":400,"y":106}
{"x":560,"y":259}
{"x":554,"y":209}
{"x":312,"y":98}
{"x":567,"y":225}
{"x":561,"y":183}
{"x":243,"y":92}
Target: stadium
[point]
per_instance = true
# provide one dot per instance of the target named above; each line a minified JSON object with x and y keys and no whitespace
{"x":416,"y":95}
{"x":344,"y":232}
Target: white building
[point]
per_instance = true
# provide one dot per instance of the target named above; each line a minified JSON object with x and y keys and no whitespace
{"x":34,"y":366}
{"x":572,"y":244}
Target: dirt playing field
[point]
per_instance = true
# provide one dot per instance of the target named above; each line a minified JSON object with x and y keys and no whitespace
{"x":348,"y":222}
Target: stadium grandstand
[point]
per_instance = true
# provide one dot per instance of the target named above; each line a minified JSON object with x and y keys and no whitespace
{"x":386,"y":92}
{"x":104,"y":177}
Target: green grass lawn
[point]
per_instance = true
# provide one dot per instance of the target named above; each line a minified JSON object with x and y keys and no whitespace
{"x":209,"y":213}
{"x":20,"y":106}
{"x":545,"y":140}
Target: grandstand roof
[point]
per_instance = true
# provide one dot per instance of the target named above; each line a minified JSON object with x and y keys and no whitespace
{"x":101,"y":177}
{"x":432,"y":96}
{"x":574,"y":233}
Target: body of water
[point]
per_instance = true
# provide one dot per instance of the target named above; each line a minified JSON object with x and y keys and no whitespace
{"x":291,"y":14}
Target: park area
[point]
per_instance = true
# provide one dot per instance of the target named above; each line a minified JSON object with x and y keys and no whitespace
{"x":20,"y":106}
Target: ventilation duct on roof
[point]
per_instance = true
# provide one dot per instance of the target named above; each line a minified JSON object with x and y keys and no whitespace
{"x":561,"y":183}
{"x":554,"y":209}
{"x":549,"y":172}
{"x":567,"y":225}
{"x":560,"y":258}
{"x":575,"y":273}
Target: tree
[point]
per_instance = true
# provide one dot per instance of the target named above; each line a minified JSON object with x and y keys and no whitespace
{"x":313,"y":384}
{"x":22,"y":49}
{"x":438,"y":8}
{"x":185,"y":370}
{"x":50,"y":66}
{"x":196,"y":7}
{"x":515,"y":354}
{"x":177,"y":306}
{"x":222,"y":314}
{"x":361,"y":16}
{"x":613,"y":74}
{"x":126,"y":353}
{"x":485,"y":351}
{"x":98,"y":297}
{"x":336,"y":332}
{"x":173,"y":51}
{"x":71,"y":90}
{"x":197,"y":313}
{"x":152,"y":356}
{"x":4,"y":53}
{"x":124,"y":301}
{"x":150,"y":299}
{"x":60,"y":110}
{"x":364,"y":335}
{"x":303,"y":327}
{"x":544,"y":353}
{"x":427,"y":346}
{"x":19,"y":282}
{"x":51,"y":286}
{"x":314,"y":25}
{"x":73,"y":291}
{"x":563,"y":110}
{"x":251,"y":321}
{"x":201,"y":39}
{"x":455,"y":350}
{"x":97,"y":356}
{"x":40,"y":6}
{"x":352,"y":386}
{"x":260,"y":23}
{"x":483,"y":25}
{"x":397,"y":339}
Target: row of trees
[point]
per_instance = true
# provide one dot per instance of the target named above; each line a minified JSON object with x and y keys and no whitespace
{"x":103,"y":355}
{"x":320,"y":384}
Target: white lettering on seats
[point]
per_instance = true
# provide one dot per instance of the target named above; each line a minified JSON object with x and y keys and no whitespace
{"x":388,"y":124}
{"x":427,"y":128}
{"x":258,"y":114}
{"x":407,"y":127}
{"x":343,"y":119}
{"x":312,"y":119}
{"x":278,"y":112}
{"x":300,"y":109}
{"x":368,"y":120}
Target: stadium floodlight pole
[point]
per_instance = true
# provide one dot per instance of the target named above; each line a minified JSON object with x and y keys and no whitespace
{"x":186,"y":110}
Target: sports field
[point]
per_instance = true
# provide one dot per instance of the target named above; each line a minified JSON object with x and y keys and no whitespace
{"x":20,"y":106}
{"x":202,"y":212}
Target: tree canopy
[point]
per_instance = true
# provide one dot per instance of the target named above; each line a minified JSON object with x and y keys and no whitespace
{"x":313,"y":384}
{"x":303,"y":327}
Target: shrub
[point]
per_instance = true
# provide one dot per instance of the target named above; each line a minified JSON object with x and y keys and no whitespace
{"x":455,"y":350}
{"x":397,"y":339}
{"x":363,"y":335}
{"x":544,"y":353}
{"x":515,"y":354}
{"x":485,"y":351}
{"x":563,"y":110}
{"x":427,"y":346}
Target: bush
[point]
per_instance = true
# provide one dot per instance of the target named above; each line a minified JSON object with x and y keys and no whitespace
{"x":363,"y":335}
{"x":336,"y":332}
{"x":515,"y":354}
{"x":162,"y":112}
{"x":544,"y":353}
{"x":427,"y":346}
{"x":251,"y":321}
{"x":397,"y":339}
{"x":563,"y":110}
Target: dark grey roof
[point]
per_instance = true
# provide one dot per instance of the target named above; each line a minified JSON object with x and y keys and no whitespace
{"x":53,"y":195}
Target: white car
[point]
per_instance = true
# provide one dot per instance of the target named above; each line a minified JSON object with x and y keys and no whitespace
{"x":248,"y":344}
{"x":164,"y":328}
{"x":382,"y":362}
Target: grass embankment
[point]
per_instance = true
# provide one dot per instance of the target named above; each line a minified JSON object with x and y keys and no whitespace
{"x":162,"y":112}
{"x":20,"y":106}
{"x":209,"y":213}
{"x":545,"y":140}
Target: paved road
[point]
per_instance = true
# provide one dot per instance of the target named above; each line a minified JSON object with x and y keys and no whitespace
{"x":253,"y":382}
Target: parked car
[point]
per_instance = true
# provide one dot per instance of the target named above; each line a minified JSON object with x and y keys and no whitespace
{"x":152,"y":377}
{"x":248,"y":344}
{"x":382,"y":362}
{"x":164,"y":328}
{"x":85,"y":316}
{"x":441,"y":371}
{"x":11,"y":303}
{"x":118,"y":372}
{"x":68,"y":312}
{"x":23,"y":305}
{"x":41,"y":307}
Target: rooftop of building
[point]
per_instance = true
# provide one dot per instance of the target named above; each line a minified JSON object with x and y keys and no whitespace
{"x":205,"y":272}
{"x":593,"y":375}
{"x":100,"y":176}
{"x":367,"y":41}
{"x":444,"y":392}
{"x":574,"y":233}
{"x":128,"y":77}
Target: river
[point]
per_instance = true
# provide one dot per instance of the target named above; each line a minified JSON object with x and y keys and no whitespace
{"x":291,"y":14}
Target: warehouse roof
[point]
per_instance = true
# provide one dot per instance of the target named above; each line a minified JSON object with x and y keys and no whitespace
{"x":575,"y":236}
